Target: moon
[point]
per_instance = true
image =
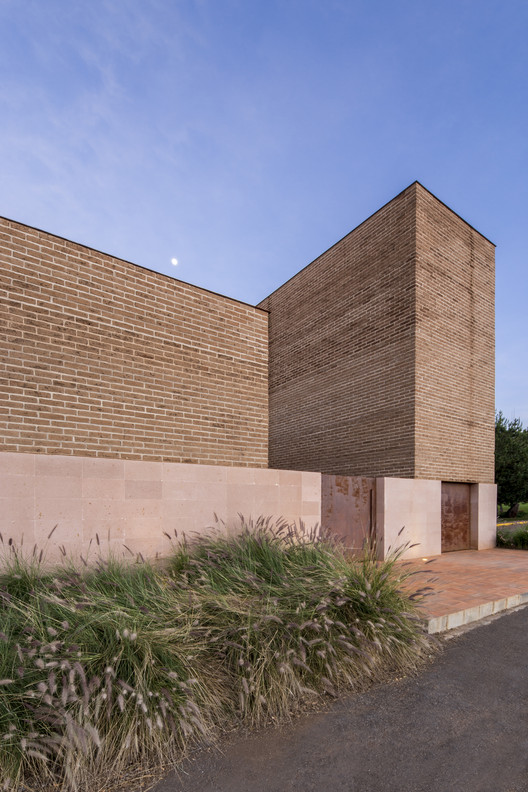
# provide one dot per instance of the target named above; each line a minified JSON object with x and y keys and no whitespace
{"x":174,"y":262}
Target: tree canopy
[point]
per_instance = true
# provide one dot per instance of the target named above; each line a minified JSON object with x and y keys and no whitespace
{"x":511,"y":461}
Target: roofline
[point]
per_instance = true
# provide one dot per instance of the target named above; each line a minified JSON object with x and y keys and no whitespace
{"x":369,"y":218}
{"x":133,"y":264}
{"x":451,"y":210}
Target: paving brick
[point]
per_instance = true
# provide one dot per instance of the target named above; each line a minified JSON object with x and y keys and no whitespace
{"x":468,"y":585}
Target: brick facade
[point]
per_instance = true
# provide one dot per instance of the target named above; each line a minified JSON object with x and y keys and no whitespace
{"x":342,"y":348}
{"x":381,"y":355}
{"x":455,"y":347}
{"x":382,"y":350}
{"x":104,"y":358}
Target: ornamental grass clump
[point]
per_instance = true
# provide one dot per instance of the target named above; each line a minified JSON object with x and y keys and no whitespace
{"x":291,"y":616}
{"x":99,"y":671}
{"x":516,"y":539}
{"x":118,"y":665}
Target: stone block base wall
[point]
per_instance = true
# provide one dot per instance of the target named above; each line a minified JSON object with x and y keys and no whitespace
{"x":415,"y":505}
{"x":129,"y":502}
{"x":483,"y":516}
{"x":381,"y":351}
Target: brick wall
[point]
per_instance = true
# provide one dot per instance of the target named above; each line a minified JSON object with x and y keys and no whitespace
{"x":382,"y":350}
{"x":455,"y":347}
{"x":342,"y":346}
{"x":104,"y":358}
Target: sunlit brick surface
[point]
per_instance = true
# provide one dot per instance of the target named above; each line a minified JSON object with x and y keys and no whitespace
{"x":455,"y":347}
{"x":103,"y":358}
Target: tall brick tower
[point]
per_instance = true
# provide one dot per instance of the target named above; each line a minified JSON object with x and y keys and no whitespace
{"x":382,"y":368}
{"x":382,"y":350}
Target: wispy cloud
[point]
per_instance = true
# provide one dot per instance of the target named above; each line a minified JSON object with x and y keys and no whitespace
{"x":248,"y":142}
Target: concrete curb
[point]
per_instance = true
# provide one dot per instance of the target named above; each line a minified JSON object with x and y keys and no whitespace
{"x":450,"y":621}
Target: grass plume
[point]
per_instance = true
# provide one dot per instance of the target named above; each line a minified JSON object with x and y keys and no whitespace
{"x":120,"y":664}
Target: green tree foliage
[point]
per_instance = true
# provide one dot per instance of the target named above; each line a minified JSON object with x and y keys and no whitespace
{"x":511,"y":461}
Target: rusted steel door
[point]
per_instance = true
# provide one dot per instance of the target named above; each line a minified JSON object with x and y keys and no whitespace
{"x":348,"y":507}
{"x":455,"y":517}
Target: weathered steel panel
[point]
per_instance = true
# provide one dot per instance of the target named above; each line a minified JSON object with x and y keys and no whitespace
{"x":456,"y":516}
{"x":348,"y":506}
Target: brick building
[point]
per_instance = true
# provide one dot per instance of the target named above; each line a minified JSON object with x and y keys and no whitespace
{"x":107,"y":359}
{"x":382,"y":354}
{"x":382,"y":350}
{"x":135,"y":402}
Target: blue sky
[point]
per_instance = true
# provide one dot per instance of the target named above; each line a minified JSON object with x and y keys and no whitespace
{"x":244,"y":137}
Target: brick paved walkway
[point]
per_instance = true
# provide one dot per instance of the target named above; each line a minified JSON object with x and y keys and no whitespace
{"x":469,"y":585}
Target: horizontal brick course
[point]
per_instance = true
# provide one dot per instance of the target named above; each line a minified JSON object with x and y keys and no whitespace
{"x":123,"y":506}
{"x":382,"y":350}
{"x":381,"y":355}
{"x":455,"y":347}
{"x":105,"y":358}
{"x":342,"y":353}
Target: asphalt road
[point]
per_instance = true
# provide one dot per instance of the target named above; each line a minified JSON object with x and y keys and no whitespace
{"x":461,"y":725}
